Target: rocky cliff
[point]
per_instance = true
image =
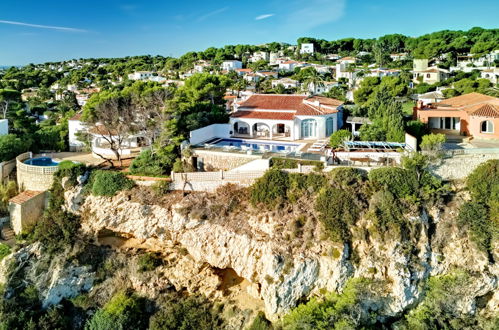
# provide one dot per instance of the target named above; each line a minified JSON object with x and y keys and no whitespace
{"x":276,"y":258}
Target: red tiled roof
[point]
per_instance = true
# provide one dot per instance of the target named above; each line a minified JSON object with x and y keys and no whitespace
{"x":486,"y":110}
{"x":25,"y":196}
{"x":301,"y":104}
{"x":467,"y":100}
{"x":280,"y":115}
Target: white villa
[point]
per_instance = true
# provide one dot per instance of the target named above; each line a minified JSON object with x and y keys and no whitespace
{"x":132,"y":145}
{"x":323,"y":87}
{"x":294,"y":117}
{"x":232,"y":65}
{"x":490,"y":74}
{"x":430,"y":75}
{"x":140,"y":75}
{"x":286,"y":82}
{"x":307,"y":48}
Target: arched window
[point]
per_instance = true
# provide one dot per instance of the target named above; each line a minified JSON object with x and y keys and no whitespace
{"x":329,"y":126}
{"x":308,"y":128}
{"x":487,"y":127}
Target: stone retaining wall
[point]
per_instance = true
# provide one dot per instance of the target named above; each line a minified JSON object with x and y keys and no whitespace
{"x":459,"y":167}
{"x":216,"y":160}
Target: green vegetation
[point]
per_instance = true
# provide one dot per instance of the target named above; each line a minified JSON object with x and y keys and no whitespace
{"x":11,"y":146}
{"x":271,"y":188}
{"x":437,"y":310}
{"x":108,"y":183}
{"x":337,"y":138}
{"x":432,"y":142}
{"x":481,"y":214}
{"x":348,"y":310}
{"x":149,"y":261}
{"x":281,"y":163}
{"x":7,"y":191}
{"x":187,"y":313}
{"x":4,"y":251}
{"x":260,"y":322}
{"x":124,"y":311}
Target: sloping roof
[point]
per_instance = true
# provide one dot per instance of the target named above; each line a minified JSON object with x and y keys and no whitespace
{"x":25,"y":196}
{"x":431,"y":95}
{"x":486,"y":110}
{"x":278,"y":115}
{"x":301,"y":104}
{"x":467,"y":100}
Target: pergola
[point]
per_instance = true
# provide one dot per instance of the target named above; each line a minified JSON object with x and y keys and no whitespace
{"x":375,"y":145}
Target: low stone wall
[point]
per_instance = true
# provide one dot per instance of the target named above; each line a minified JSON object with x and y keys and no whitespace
{"x":6,"y":169}
{"x":459,"y":167}
{"x":216,"y":160}
{"x":29,"y":177}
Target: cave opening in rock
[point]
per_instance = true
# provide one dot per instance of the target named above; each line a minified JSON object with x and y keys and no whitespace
{"x":228,"y":278}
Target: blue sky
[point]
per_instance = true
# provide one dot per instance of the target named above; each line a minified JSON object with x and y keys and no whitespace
{"x":34,"y":31}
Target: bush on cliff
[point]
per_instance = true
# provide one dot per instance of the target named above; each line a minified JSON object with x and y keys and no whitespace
{"x":125,"y":310}
{"x":271,"y":188}
{"x":108,"y":183}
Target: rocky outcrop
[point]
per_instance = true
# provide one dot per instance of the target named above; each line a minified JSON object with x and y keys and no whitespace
{"x":283,"y":270}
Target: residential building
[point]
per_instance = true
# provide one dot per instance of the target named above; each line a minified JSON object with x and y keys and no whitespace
{"x":75,"y":126}
{"x":288,"y":65}
{"x":430,"y":75}
{"x":399,"y":56}
{"x":431,"y":97}
{"x":286,"y":82}
{"x":140,"y":75}
{"x":267,"y":74}
{"x":243,"y":72}
{"x":322,"y":88}
{"x":307,"y":48}
{"x":333,"y":57}
{"x":491,"y":74}
{"x":201,"y":66}
{"x":232,"y":65}
{"x":259,"y":56}
{"x":472,"y":114}
{"x":293,"y":116}
{"x":380,"y":72}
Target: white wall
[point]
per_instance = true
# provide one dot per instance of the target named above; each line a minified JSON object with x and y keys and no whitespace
{"x":205,"y":133}
{"x":4,"y":126}
{"x":74,"y":126}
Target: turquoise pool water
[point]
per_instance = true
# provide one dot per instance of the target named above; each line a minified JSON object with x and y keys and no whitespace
{"x":41,"y":161}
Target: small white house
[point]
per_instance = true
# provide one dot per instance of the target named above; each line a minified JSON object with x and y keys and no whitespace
{"x":307,"y":48}
{"x":323,"y":87}
{"x":491,"y":74}
{"x":286,"y":82}
{"x":399,"y":56}
{"x":431,"y":97}
{"x":140,"y":75}
{"x":288,"y":65}
{"x":232,"y":65}
{"x":259,"y":56}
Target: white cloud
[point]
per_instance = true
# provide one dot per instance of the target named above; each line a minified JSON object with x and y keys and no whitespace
{"x":212,"y":13}
{"x":308,"y":14}
{"x":38,"y":26}
{"x":258,"y":18}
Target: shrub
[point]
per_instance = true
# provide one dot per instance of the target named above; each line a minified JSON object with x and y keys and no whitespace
{"x":483,"y":182}
{"x":149,"y":164}
{"x":304,"y":183}
{"x":71,"y":170}
{"x":4,"y":251}
{"x":401,"y":182}
{"x":161,"y":187}
{"x":338,"y":211}
{"x":348,"y":310}
{"x":475,"y":216}
{"x":56,"y":229}
{"x":186,"y":313}
{"x":149,"y":261}
{"x":108,"y":183}
{"x":337,"y":138}
{"x":386,"y":212}
{"x":260,"y":322}
{"x":432,"y":142}
{"x":347,"y":177}
{"x":7,"y":191}
{"x":281,"y":163}
{"x":438,"y":308}
{"x":124,"y":311}
{"x":271,"y":188}
{"x":11,"y":146}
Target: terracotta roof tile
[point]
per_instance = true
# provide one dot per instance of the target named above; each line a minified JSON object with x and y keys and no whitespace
{"x":25,"y":196}
{"x":486,"y":110}
{"x":467,"y":100}
{"x":281,"y":115}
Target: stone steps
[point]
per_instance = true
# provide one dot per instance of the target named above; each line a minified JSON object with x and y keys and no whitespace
{"x":7,"y":233}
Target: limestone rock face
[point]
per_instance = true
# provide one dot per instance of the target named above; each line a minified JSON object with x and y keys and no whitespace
{"x":54,"y":283}
{"x":280,"y":273}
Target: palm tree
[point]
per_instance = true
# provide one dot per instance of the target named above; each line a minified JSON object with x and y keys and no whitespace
{"x":315,"y":79}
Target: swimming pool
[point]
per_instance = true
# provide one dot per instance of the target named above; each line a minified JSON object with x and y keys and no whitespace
{"x":255,"y":145}
{"x":41,"y":161}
